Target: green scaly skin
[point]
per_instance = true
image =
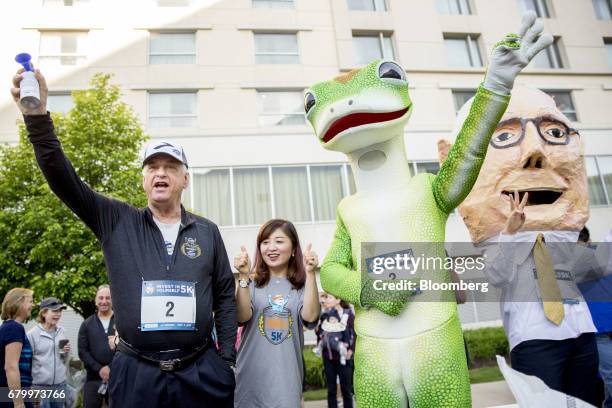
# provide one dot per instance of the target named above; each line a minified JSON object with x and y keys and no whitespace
{"x":406,"y":351}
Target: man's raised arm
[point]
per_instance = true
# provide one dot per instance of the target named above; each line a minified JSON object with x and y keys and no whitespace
{"x":97,"y":211}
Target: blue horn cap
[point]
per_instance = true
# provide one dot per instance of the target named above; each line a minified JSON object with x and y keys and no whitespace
{"x":24,"y":59}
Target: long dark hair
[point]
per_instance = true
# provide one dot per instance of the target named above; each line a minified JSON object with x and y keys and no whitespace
{"x":296,"y":273}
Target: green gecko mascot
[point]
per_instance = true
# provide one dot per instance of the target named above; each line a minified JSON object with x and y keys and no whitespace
{"x":407,"y":352}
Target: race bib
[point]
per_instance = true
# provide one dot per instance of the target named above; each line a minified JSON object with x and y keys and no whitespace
{"x":167,"y":305}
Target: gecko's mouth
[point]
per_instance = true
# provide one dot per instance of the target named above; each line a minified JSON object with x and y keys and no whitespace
{"x":359,"y":119}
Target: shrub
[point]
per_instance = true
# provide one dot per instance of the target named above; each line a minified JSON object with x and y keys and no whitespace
{"x":315,"y":373}
{"x":483,"y":344}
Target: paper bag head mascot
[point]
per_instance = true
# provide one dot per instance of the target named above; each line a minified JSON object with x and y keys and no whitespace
{"x":534,"y":149}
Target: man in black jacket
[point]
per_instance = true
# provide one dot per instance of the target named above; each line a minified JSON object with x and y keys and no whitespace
{"x":96,"y":337}
{"x":168,"y":272}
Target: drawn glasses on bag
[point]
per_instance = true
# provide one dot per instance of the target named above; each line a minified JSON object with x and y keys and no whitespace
{"x":511,"y":132}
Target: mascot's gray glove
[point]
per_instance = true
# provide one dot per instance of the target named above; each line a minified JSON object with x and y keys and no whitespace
{"x":513,"y":54}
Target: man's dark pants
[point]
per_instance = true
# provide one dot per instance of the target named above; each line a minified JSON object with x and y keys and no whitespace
{"x":207,"y":382}
{"x":91,"y":398}
{"x":569,"y":366}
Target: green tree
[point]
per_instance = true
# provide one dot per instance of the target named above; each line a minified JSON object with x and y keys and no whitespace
{"x":43,"y":245}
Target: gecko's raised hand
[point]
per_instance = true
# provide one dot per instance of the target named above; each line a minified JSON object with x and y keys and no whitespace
{"x":514,"y":52}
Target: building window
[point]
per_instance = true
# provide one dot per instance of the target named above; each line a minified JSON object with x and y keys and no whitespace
{"x":539,"y":6}
{"x":598,"y":169}
{"x":62,"y":47}
{"x":367,"y":5}
{"x":550,"y":57}
{"x":603,"y":9}
{"x":67,"y":3}
{"x":372,"y":47}
{"x":352,"y":185}
{"x":172,"y":109}
{"x":605,"y":169}
{"x":460,"y":98}
{"x":597,"y":194}
{"x":59,"y":103}
{"x":173,"y":3}
{"x":252,"y":195}
{"x":328,"y":188}
{"x":278,"y":108}
{"x":273,"y":4}
{"x":172,"y":48}
{"x":463,"y":51}
{"x":426,"y":167}
{"x":211,"y":194}
{"x":291,"y":195}
{"x":276,"y":49}
{"x":608,"y":45}
{"x":564,"y":102}
{"x":453,"y":7}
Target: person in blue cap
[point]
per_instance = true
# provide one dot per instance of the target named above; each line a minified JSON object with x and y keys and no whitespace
{"x":50,"y":351}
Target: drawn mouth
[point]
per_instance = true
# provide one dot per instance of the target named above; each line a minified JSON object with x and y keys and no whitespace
{"x":359,"y":119}
{"x":538,"y":196}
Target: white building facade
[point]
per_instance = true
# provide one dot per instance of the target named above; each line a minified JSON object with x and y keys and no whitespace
{"x":225,"y":79}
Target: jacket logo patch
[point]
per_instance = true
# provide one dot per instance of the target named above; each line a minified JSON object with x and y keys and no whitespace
{"x":191,"y":249}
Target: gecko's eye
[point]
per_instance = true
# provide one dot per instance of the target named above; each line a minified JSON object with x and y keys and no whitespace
{"x":391,"y":70}
{"x":309,"y":101}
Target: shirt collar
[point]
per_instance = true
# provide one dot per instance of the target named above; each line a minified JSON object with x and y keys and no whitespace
{"x":186,"y":217}
{"x":523,"y":251}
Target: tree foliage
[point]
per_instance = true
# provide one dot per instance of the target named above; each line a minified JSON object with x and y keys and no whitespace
{"x":43,"y":245}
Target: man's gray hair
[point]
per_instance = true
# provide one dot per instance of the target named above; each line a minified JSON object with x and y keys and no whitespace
{"x":105,"y":286}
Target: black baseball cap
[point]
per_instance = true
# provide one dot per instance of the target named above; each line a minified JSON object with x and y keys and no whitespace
{"x":52,"y":304}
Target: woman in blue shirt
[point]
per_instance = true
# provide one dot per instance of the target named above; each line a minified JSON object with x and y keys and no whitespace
{"x":15,"y":350}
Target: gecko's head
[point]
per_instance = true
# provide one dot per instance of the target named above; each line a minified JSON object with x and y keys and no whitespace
{"x":360,"y":108}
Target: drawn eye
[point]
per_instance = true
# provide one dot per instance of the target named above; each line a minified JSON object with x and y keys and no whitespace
{"x":556,"y":133}
{"x":392,"y":71}
{"x":309,"y":101}
{"x":503,"y":137}
{"x":506,"y":137}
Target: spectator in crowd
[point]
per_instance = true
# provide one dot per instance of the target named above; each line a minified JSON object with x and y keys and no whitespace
{"x":152,"y":254}
{"x":96,"y":349}
{"x":15,"y":349}
{"x":50,"y":351}
{"x":598,"y":294}
{"x":351,"y":361}
{"x":274,"y":308}
{"x":335,"y":333}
